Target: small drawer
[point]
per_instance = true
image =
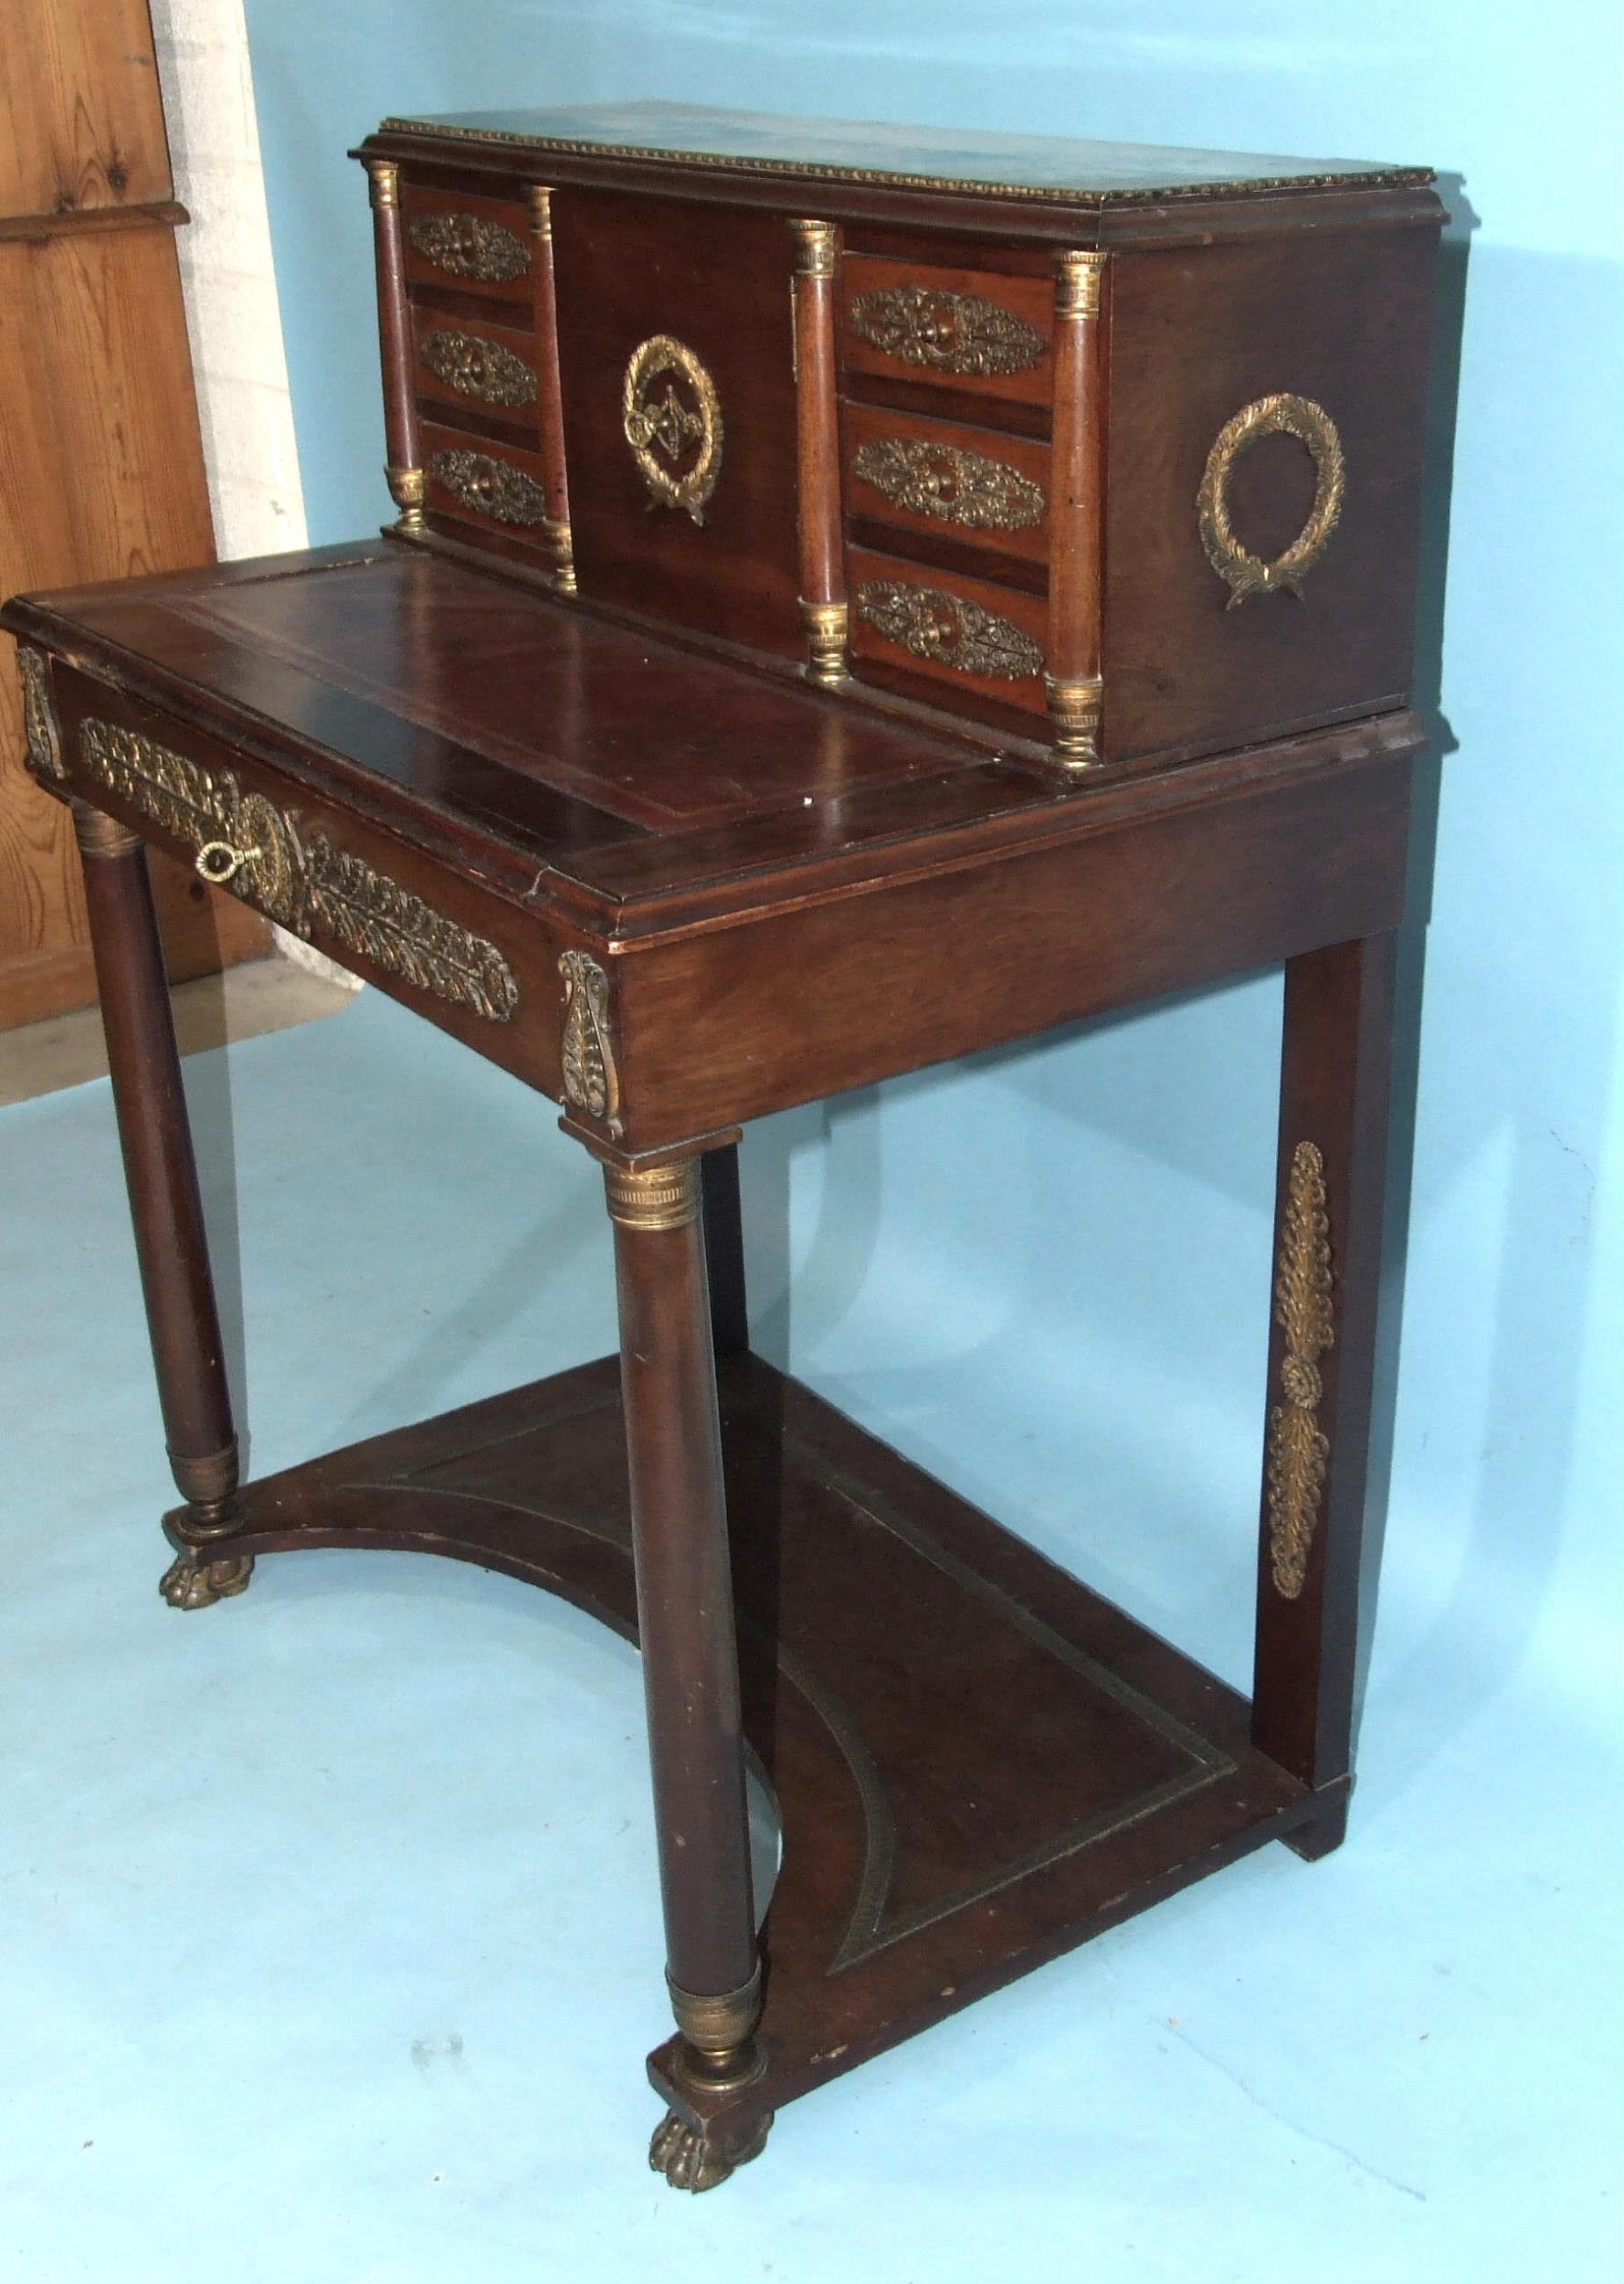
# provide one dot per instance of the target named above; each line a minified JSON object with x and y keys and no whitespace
{"x":381,"y":907}
{"x":973,"y":485}
{"x":965,"y":632}
{"x":483,"y":246}
{"x":495,"y":487}
{"x":975,"y":330}
{"x":471,"y":364}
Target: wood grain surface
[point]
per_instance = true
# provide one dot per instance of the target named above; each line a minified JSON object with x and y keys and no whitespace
{"x":101,"y":469}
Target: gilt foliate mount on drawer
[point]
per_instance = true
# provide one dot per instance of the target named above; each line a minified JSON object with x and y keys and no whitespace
{"x":962,"y":333}
{"x":949,"y":630}
{"x":475,"y":367}
{"x":1164,"y":429}
{"x":301,"y":879}
{"x":950,"y":484}
{"x":467,"y":245}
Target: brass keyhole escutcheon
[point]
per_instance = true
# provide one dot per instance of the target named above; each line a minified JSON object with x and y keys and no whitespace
{"x":219,"y":863}
{"x":672,"y":416}
{"x":1242,"y":572}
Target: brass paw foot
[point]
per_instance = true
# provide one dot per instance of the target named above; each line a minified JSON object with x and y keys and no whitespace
{"x":691,"y":2159}
{"x":192,"y":1580}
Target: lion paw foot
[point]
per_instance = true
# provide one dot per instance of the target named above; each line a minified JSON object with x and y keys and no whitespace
{"x":691,"y":2159}
{"x":194,"y":1580}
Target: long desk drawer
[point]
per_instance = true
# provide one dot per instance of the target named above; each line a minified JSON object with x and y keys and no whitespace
{"x":460,"y":956}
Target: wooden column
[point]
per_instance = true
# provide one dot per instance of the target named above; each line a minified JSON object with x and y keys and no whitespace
{"x":550,"y":407}
{"x":1077,"y":509}
{"x":404,"y":467}
{"x":817,"y":437}
{"x":1336,"y":1070}
{"x":685,"y":1618}
{"x":170,"y":1240}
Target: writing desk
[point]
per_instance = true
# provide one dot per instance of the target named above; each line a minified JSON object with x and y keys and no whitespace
{"x":676,"y":895}
{"x":848,"y":611}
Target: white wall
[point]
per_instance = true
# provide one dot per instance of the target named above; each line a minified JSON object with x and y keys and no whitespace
{"x":232,"y":313}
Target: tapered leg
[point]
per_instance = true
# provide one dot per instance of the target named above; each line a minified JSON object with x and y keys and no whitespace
{"x":1335,"y":1077}
{"x":685,"y":1620}
{"x":171,"y":1246}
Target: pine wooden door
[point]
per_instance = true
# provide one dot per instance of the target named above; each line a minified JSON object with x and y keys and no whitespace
{"x":102,"y":472}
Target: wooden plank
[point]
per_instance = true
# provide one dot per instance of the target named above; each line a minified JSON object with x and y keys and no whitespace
{"x":101,"y":476}
{"x":82,"y":118}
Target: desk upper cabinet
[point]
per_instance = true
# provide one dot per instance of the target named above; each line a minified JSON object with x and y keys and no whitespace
{"x":1115,"y":450}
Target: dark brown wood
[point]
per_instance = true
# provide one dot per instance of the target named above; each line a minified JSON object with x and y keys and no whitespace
{"x":719,"y":282}
{"x":772,"y":873}
{"x":622,"y":846}
{"x":1292,"y":291}
{"x":1036,"y":1769}
{"x":1075,"y":570}
{"x":938,"y":600}
{"x":685,"y":1623}
{"x":872,"y":429}
{"x":171,"y":1242}
{"x":1191,"y":343}
{"x":817,"y":445}
{"x":1334,"y":1098}
{"x":439,"y":398}
{"x":441,"y":263}
{"x":1027,"y":301}
{"x":394,"y":341}
{"x":551,"y":407}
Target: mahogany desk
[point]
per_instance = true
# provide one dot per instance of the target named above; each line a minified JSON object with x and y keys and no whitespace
{"x":847,"y":610}
{"x":676,"y":895}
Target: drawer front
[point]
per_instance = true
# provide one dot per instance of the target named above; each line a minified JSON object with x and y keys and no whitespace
{"x":978,"y":331}
{"x":495,"y":487}
{"x":469,"y":364}
{"x":478,"y":246}
{"x":967,"y":634}
{"x":422,"y":932}
{"x":971,"y":485}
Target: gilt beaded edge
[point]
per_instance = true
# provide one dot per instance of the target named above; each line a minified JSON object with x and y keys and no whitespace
{"x":815,"y":171}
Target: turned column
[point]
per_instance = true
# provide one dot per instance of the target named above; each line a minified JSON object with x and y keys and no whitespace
{"x":171,"y":1246}
{"x":1077,"y":462}
{"x":824,"y":610}
{"x":1335,"y":1093}
{"x":403,"y":468}
{"x":685,"y":1618}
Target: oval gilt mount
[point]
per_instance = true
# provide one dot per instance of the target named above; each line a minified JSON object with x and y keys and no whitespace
{"x":467,"y":245}
{"x":949,"y":630}
{"x":951,"y":484}
{"x":947,"y":332}
{"x":491,"y":487}
{"x":672,"y":416}
{"x":477,"y":368}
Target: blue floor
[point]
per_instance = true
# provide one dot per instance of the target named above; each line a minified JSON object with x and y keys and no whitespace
{"x":328,"y":1916}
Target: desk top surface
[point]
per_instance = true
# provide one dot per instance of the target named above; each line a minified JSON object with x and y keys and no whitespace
{"x":567,"y":757}
{"x":549,"y":742}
